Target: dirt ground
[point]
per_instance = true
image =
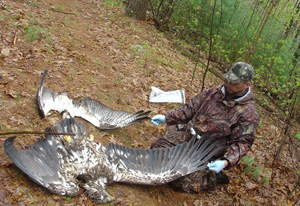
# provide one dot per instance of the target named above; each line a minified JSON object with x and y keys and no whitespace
{"x":92,"y":49}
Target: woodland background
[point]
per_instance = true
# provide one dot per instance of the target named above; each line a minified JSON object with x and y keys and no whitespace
{"x":92,"y":48}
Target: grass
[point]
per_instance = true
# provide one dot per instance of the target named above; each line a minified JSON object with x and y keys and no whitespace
{"x":34,"y":33}
{"x":128,"y":143}
{"x":179,"y":65}
{"x":49,"y":49}
{"x":68,"y":198}
{"x":92,"y":79}
{"x":3,"y":127}
{"x":17,"y":98}
{"x":58,"y":8}
{"x":70,"y":76}
{"x":4,"y":17}
{"x":118,"y":81}
{"x":31,"y":3}
{"x":81,"y":61}
{"x":68,"y":20}
{"x":111,"y":3}
{"x":112,"y":17}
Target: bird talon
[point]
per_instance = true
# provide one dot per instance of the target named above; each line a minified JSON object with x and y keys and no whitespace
{"x":67,"y":138}
{"x":91,"y":137}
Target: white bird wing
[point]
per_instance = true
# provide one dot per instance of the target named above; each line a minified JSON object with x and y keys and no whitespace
{"x":91,"y":110}
{"x":161,"y":165}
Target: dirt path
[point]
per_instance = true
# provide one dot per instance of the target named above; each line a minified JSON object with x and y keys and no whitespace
{"x":92,"y":49}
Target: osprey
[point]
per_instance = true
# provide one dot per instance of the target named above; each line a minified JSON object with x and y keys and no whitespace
{"x":62,"y":163}
{"x":91,"y":110}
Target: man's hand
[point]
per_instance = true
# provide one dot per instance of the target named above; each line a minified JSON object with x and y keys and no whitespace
{"x":217,"y":165}
{"x":158,"y":119}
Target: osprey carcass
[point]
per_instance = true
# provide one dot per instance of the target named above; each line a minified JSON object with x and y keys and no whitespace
{"x":89,"y":109}
{"x":63,"y":163}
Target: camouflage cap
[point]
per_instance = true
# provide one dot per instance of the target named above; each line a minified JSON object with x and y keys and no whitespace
{"x":240,"y":71}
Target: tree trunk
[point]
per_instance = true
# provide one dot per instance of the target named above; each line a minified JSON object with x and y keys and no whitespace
{"x":162,"y":11}
{"x":274,"y":3}
{"x":137,"y":9}
{"x":210,"y":44}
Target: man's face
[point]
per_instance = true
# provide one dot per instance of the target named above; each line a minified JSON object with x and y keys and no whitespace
{"x":238,"y":88}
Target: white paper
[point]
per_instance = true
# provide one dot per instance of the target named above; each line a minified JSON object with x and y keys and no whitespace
{"x":158,"y":95}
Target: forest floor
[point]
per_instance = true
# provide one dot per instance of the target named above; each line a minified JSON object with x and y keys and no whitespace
{"x":92,"y":49}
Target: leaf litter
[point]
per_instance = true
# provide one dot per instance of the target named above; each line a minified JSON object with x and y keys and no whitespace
{"x":93,"y":49}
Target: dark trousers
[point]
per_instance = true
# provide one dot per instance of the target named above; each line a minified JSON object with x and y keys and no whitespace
{"x":194,"y":182}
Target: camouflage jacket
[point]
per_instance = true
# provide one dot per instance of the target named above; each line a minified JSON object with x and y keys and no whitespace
{"x":209,"y":113}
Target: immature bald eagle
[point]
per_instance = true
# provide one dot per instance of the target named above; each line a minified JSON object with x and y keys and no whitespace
{"x":58,"y":163}
{"x":91,"y":110}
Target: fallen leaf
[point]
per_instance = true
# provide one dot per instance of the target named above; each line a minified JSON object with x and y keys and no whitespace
{"x":251,"y":186}
{"x":5,"y":51}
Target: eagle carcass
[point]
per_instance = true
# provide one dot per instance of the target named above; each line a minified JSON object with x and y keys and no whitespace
{"x":91,"y":110}
{"x":63,"y":163}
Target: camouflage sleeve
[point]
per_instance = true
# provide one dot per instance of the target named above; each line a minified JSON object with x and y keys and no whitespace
{"x":185,"y":113}
{"x":242,"y":137}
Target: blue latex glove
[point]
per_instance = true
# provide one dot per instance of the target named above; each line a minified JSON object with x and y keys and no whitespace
{"x":216,"y":165}
{"x":158,"y":119}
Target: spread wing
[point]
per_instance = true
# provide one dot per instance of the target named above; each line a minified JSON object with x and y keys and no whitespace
{"x":41,"y":164}
{"x":46,"y":162}
{"x":55,"y":164}
{"x":91,"y":110}
{"x":161,"y":165}
{"x":148,"y":166}
{"x":104,"y":117}
{"x":48,"y":100}
{"x":38,"y":162}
